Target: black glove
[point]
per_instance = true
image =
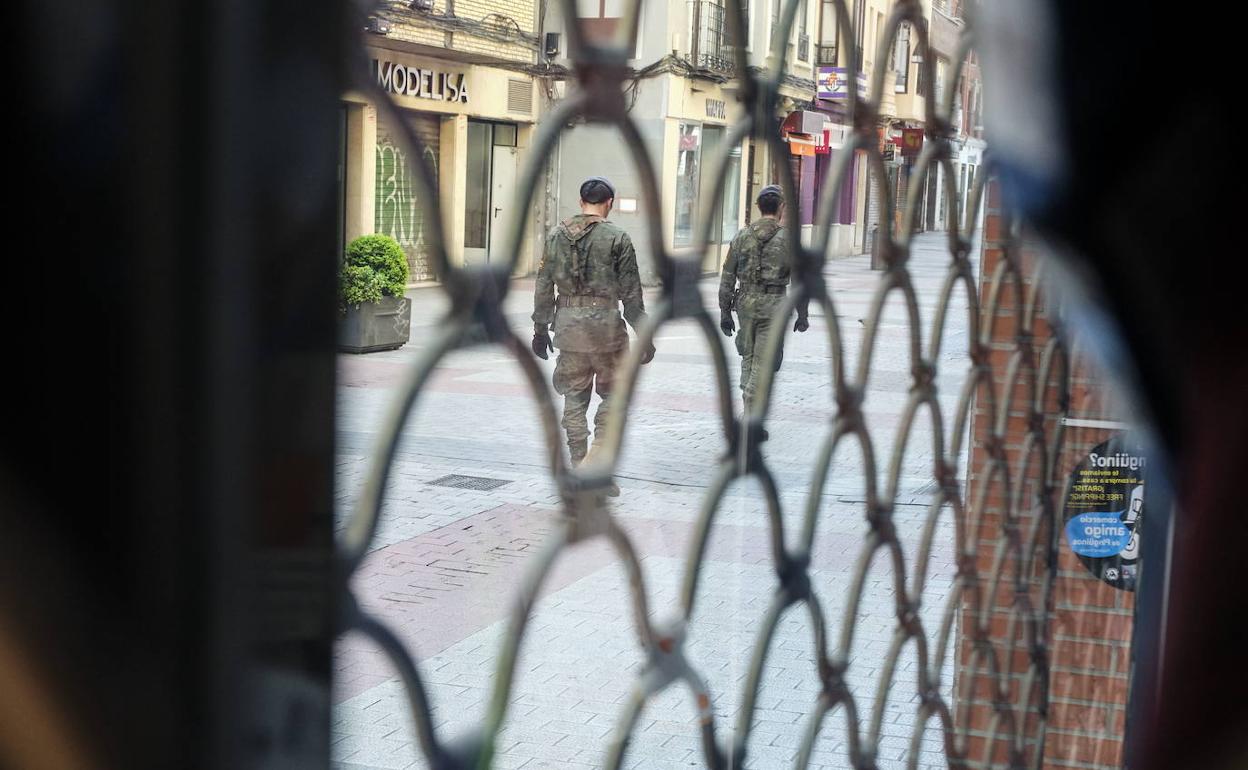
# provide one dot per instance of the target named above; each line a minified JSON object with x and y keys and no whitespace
{"x":726,"y":324}
{"x":801,"y":324}
{"x":541,"y":342}
{"x":648,"y":355}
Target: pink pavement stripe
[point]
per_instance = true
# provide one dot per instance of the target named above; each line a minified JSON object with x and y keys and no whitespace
{"x":476,"y":564}
{"x":363,"y":372}
{"x":383,"y":374}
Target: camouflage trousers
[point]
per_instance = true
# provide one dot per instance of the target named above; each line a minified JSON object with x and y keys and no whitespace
{"x":577,"y":376}
{"x":755,"y":311}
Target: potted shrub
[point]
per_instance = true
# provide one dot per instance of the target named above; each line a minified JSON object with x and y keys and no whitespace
{"x":371,"y":282}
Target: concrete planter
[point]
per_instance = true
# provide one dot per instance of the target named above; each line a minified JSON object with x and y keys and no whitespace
{"x":373,"y":326}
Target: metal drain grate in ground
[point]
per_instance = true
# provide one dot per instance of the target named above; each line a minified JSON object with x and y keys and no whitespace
{"x":479,"y":483}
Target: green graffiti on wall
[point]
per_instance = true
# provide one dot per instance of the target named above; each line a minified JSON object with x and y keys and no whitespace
{"x":399,"y":212}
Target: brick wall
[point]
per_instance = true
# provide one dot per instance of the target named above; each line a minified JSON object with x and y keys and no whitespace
{"x":417,"y":33}
{"x":523,"y":13}
{"x":488,"y":16}
{"x":1092,"y":621}
{"x":1072,"y":627}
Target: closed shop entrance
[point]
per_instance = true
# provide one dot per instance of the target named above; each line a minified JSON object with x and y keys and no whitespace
{"x":491,"y":191}
{"x":400,"y":213}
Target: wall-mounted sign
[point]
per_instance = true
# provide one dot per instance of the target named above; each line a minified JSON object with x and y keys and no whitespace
{"x":835,"y":135}
{"x":717,"y":108}
{"x":805,"y":122}
{"x":833,"y":84}
{"x":802,"y":145}
{"x":825,"y":146}
{"x":803,"y":130}
{"x":421,"y":83}
{"x":1104,"y":510}
{"x":911,"y":141}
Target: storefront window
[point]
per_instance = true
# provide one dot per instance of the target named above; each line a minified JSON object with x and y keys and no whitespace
{"x":504,"y":135}
{"x":732,"y":195}
{"x":687,"y":180}
{"x":477,"y":200}
{"x":698,"y":148}
{"x":712,"y":138}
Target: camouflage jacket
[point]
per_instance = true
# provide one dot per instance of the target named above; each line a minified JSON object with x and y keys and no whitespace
{"x":757,"y":258}
{"x":587,"y":256}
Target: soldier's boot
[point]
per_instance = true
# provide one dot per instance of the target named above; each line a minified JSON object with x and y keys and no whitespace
{"x":749,"y":375}
{"x":613,"y":489}
{"x":747,"y":406}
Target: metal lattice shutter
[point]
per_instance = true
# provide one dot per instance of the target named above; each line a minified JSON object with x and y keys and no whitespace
{"x":399,"y":212}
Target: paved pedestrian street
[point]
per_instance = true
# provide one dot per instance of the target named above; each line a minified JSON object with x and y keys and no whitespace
{"x":448,"y":561}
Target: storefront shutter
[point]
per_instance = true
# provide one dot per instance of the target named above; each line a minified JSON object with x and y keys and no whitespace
{"x":399,"y":211}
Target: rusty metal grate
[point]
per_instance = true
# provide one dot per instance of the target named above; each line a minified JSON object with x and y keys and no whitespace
{"x":476,"y":294}
{"x":478,"y":483}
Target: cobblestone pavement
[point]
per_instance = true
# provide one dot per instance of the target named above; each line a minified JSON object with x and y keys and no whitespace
{"x":446,"y":561}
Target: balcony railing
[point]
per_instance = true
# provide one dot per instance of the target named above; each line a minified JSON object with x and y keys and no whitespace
{"x":826,"y":55}
{"x":803,"y":47}
{"x":709,"y":47}
{"x":722,"y":62}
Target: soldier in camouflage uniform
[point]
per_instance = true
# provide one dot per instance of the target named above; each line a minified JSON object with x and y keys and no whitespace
{"x":593,"y":265}
{"x":754,"y":281}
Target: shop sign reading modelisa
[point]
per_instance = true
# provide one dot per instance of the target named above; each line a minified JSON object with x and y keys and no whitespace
{"x":420,"y":83}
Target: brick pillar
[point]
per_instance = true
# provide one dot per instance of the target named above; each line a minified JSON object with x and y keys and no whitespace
{"x":1092,"y":622}
{"x":1043,"y":649}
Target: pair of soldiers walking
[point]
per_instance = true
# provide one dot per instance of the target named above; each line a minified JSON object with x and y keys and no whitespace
{"x":592,"y":264}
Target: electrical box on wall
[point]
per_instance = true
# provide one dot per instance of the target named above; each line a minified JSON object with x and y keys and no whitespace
{"x":552,"y":44}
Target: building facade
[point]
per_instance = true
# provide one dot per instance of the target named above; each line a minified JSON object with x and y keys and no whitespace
{"x":968,"y":126}
{"x":462,"y":77}
{"x":471,"y":79}
{"x":963,"y":80}
{"x":684,"y":101}
{"x":859,"y":212}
